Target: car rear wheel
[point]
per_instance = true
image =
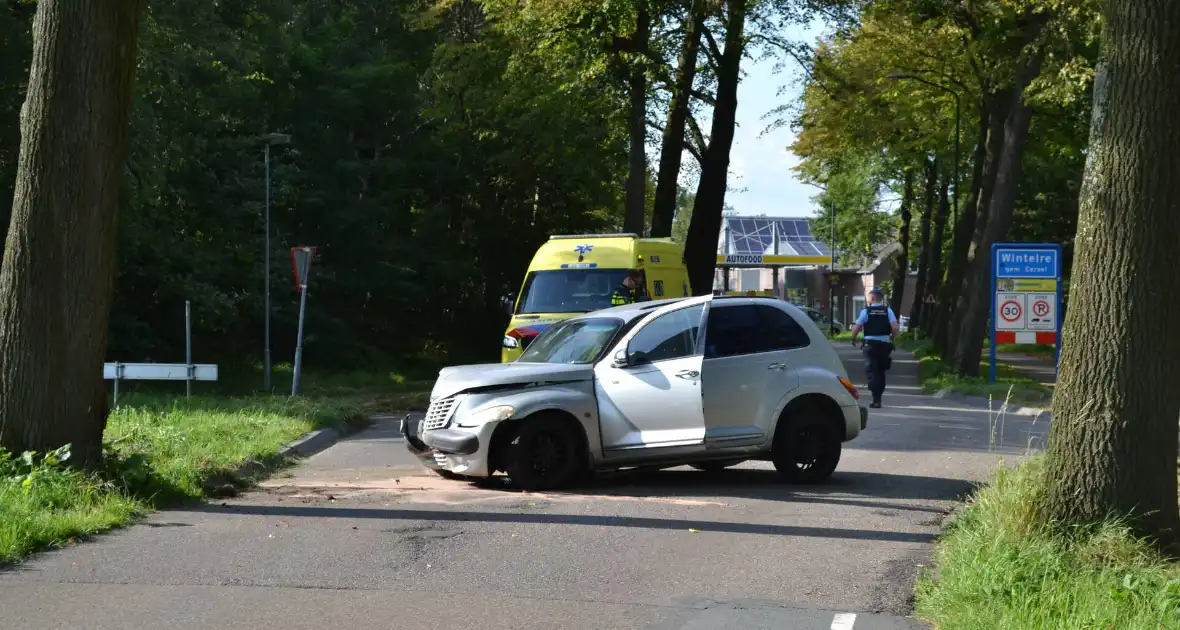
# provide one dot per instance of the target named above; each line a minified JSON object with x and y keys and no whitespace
{"x":808,"y":448}
{"x":544,"y":454}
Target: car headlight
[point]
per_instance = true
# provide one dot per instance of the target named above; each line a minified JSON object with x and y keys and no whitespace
{"x":510,"y":342}
{"x":498,"y":413}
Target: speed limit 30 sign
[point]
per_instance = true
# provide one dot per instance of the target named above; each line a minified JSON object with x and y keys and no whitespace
{"x":1010,"y":311}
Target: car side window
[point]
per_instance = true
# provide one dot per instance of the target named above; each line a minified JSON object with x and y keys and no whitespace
{"x":780,"y":331}
{"x":733,"y":331}
{"x":669,"y":336}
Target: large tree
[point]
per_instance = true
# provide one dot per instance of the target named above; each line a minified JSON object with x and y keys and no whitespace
{"x":1112,"y":447}
{"x":673,"y":139}
{"x":59,"y":258}
{"x":700,"y":249}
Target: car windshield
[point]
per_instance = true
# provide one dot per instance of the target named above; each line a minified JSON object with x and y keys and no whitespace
{"x":572,"y":341}
{"x":569,"y":290}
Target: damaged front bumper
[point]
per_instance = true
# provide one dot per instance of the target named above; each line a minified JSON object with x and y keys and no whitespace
{"x":463,"y":452}
{"x":409,"y":427}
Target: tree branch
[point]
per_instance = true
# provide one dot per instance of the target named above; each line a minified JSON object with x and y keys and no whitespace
{"x":693,"y":150}
{"x":808,"y":65}
{"x":694,"y":131}
{"x":704,"y":98}
{"x":713,"y":54}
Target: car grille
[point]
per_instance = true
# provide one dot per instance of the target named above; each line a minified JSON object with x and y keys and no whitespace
{"x":439,"y":413}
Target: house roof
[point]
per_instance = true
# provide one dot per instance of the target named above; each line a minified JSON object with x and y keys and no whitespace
{"x":880,"y":256}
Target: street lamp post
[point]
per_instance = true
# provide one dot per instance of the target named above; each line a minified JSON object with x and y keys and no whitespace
{"x":269,"y":140}
{"x":831,"y":284}
{"x":958,"y":109}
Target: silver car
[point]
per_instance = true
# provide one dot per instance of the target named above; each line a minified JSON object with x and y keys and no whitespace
{"x":708,"y":382}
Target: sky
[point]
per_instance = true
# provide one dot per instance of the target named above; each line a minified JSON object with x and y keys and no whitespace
{"x":761,"y":179}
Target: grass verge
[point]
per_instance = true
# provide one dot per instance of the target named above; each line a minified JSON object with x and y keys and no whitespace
{"x":160,"y":452}
{"x":1010,"y":385}
{"x":997,"y":567}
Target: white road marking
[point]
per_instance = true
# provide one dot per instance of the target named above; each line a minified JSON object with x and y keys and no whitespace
{"x":949,"y":426}
{"x":843,"y":621}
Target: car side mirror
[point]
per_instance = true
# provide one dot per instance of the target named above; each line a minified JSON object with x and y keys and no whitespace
{"x":637,"y":358}
{"x":620,"y":359}
{"x":509,"y":303}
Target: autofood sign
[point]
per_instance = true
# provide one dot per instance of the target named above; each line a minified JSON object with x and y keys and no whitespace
{"x":744,"y":259}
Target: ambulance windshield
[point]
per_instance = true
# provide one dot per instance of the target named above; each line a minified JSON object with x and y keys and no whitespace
{"x":569,"y":290}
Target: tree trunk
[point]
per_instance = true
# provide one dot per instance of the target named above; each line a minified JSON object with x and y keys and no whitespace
{"x":700,"y":251}
{"x":977,"y":287}
{"x":924,"y":245}
{"x":960,"y":239}
{"x":672,"y":148}
{"x":1112,"y":445}
{"x":971,"y":221}
{"x":636,"y":214}
{"x":934,"y":275}
{"x":58,"y":273}
{"x":902,"y":267}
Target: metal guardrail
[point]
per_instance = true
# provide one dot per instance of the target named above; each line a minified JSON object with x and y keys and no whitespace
{"x":188,"y":372}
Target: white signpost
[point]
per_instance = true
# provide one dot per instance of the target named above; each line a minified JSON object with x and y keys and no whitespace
{"x":1026,"y":295}
{"x":187,"y":371}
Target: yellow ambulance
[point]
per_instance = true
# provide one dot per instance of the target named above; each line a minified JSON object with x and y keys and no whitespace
{"x":571,"y":275}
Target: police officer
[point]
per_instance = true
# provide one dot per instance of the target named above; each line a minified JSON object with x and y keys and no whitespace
{"x":630,"y":291}
{"x":879,"y":324}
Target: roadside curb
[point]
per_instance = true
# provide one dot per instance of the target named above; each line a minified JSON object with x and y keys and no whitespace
{"x":306,"y":445}
{"x":311,"y":443}
{"x":1002,"y":407}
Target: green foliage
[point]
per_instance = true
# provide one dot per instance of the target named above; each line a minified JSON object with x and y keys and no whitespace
{"x":1010,"y":386}
{"x":430,"y":156}
{"x":43,"y":502}
{"x":850,"y":191}
{"x":886,"y":88}
{"x":999,"y":566}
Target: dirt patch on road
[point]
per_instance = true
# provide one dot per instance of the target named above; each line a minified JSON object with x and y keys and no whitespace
{"x":437,"y":490}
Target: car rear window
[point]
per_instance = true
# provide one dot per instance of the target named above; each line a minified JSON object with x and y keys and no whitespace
{"x":751,"y":329}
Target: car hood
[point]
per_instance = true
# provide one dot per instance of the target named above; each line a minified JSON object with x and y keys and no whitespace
{"x":453,"y":380}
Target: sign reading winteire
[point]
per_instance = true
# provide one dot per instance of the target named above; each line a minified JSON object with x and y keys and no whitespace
{"x":1026,"y":296}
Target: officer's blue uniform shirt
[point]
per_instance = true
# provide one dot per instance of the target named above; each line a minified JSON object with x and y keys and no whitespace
{"x":863,"y":319}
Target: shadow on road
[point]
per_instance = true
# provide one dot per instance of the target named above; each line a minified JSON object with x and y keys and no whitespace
{"x":863,"y":489}
{"x":308,"y":511}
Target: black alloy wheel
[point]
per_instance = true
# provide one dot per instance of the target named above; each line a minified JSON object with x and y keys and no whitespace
{"x":543,"y":455}
{"x":808,"y":451}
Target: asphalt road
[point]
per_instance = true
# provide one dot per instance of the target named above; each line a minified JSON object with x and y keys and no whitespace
{"x":360,"y":536}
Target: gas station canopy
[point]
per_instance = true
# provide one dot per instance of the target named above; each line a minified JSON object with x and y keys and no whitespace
{"x":769,"y":242}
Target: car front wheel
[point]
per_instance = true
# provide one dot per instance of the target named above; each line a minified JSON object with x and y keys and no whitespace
{"x":544,"y":454}
{"x":808,"y":450}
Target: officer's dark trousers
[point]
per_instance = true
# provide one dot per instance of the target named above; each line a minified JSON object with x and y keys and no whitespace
{"x":877,"y":361}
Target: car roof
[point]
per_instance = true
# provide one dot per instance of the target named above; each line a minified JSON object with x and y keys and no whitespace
{"x":628,"y":312}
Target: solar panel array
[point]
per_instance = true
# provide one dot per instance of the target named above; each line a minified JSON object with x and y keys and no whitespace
{"x":756,"y":236}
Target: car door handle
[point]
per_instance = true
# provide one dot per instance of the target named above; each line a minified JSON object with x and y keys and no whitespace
{"x":777,"y":366}
{"x":688,"y":374}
